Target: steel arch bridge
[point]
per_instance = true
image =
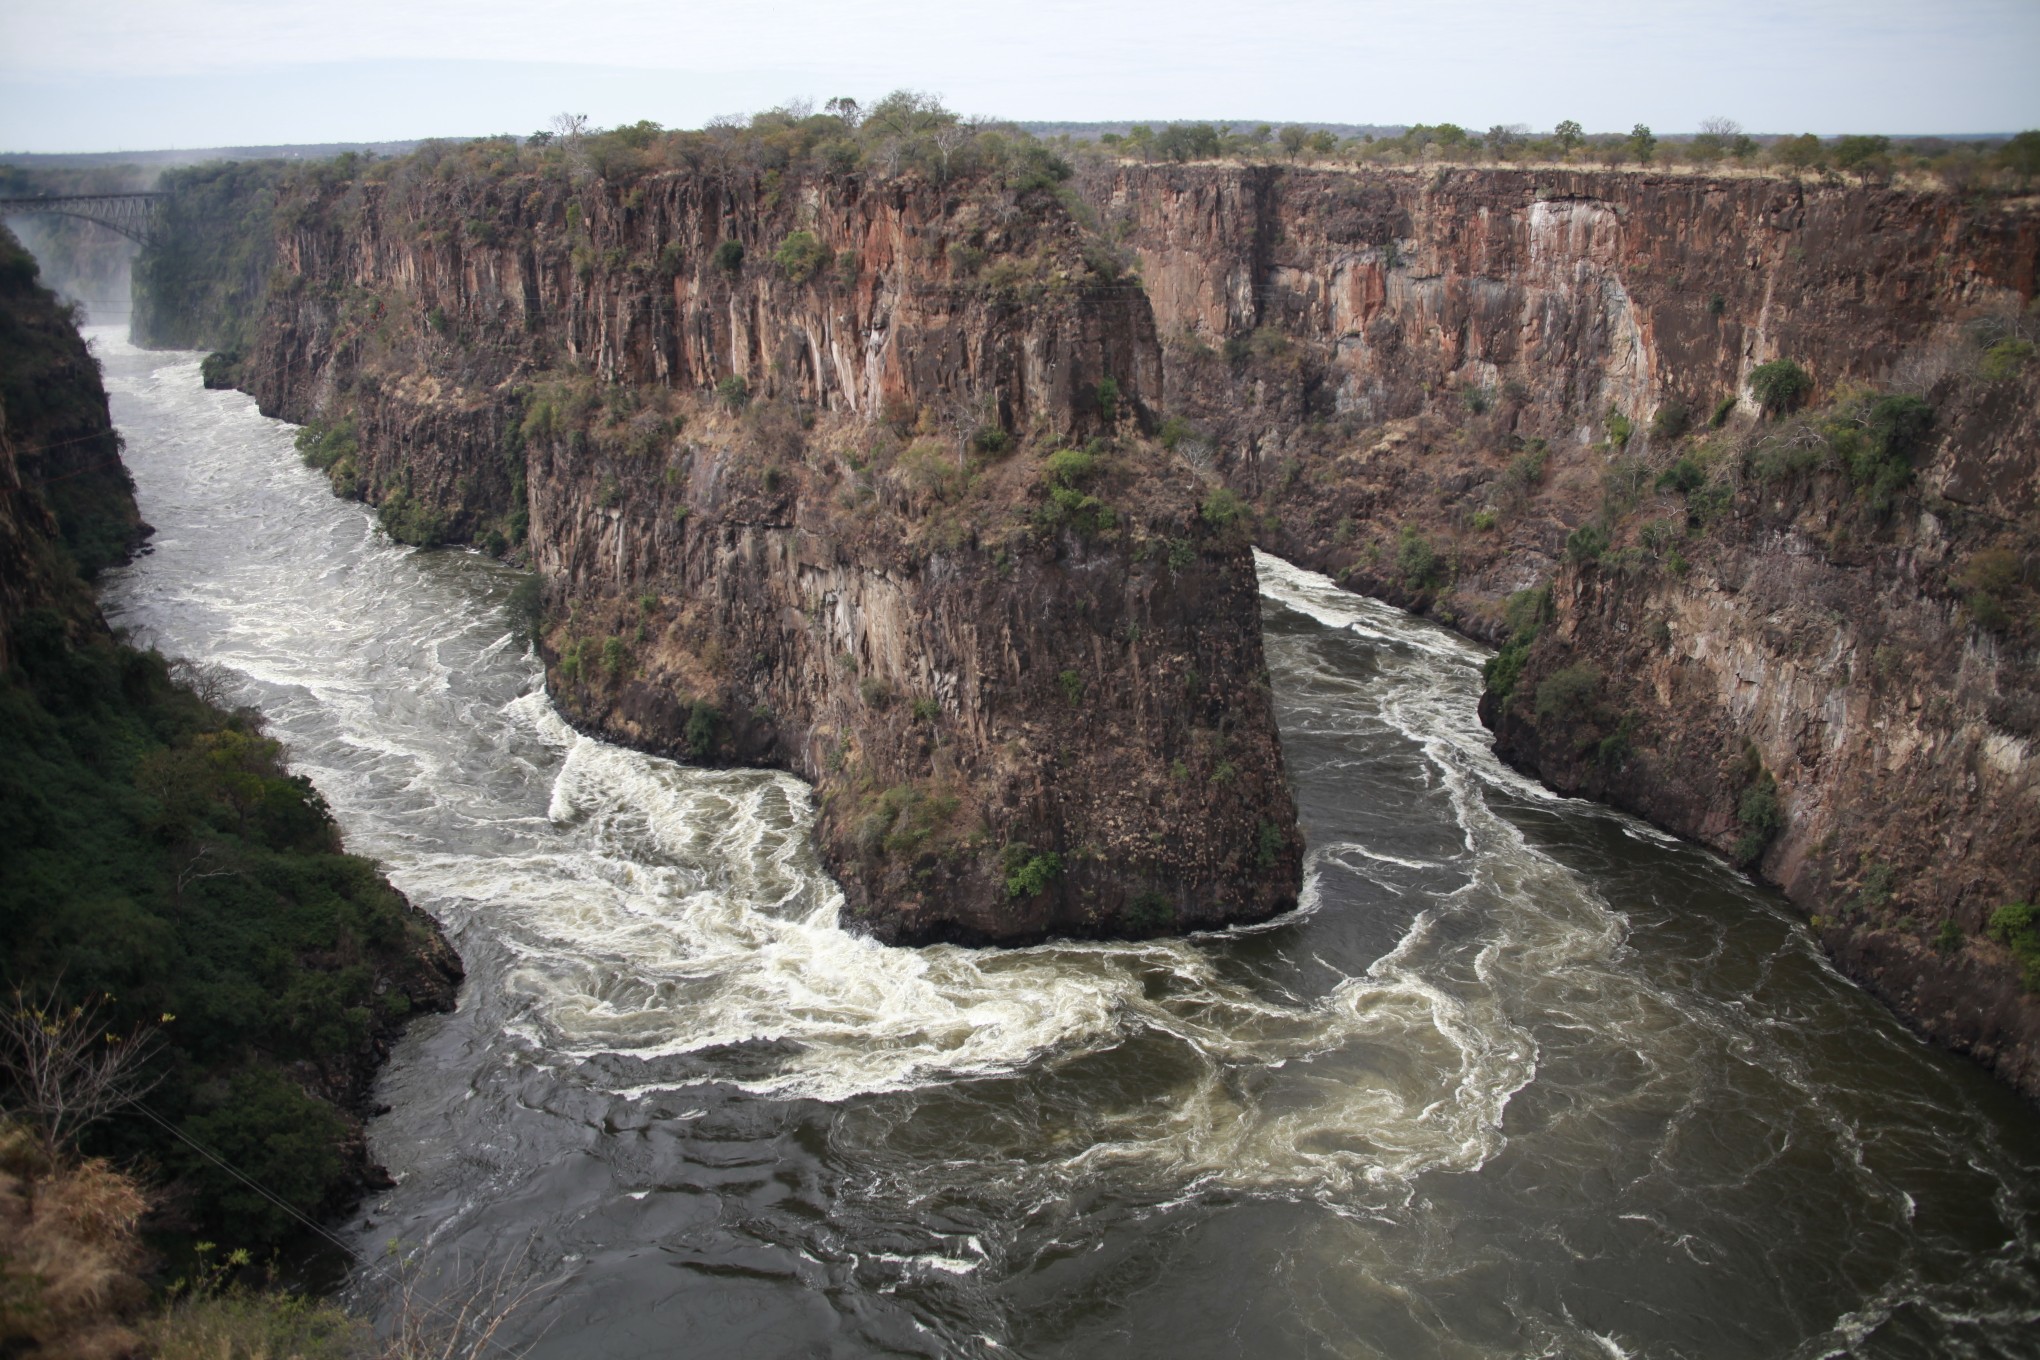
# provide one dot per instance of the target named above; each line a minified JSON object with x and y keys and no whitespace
{"x":134,"y":216}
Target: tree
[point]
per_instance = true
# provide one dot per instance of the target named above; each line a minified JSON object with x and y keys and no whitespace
{"x":1779,"y":386}
{"x":570,"y":127}
{"x":1188,"y":142}
{"x":1503,"y":140}
{"x":845,"y":108}
{"x":1642,"y":144}
{"x":1569,"y":135}
{"x":2021,"y":156}
{"x":1715,"y":138}
{"x":1800,"y":153}
{"x":1293,"y":139}
{"x":67,"y":1069}
{"x":1864,"y":157}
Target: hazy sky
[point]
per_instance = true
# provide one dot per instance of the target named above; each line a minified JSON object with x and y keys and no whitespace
{"x":126,"y":74}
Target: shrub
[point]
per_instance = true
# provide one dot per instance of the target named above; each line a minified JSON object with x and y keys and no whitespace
{"x":219,"y":370}
{"x":1673,"y":418}
{"x":1991,"y":576}
{"x":1949,"y":938}
{"x":990,"y":441}
{"x":1620,"y":428}
{"x":1069,"y":468}
{"x":800,"y":256}
{"x":1685,"y":477}
{"x":1586,"y":543}
{"x":1028,"y":874}
{"x":321,"y":446}
{"x":1108,"y":400}
{"x":1072,"y":687}
{"x":266,"y":1127}
{"x":1761,"y":817}
{"x":1222,"y":509}
{"x":1484,"y":520}
{"x":525,"y":606}
{"x":734,"y":392}
{"x":2016,"y":926}
{"x":704,"y":729}
{"x":407,"y":519}
{"x":1708,"y":503}
{"x":729,"y":256}
{"x":1150,"y":911}
{"x":1568,"y":694}
{"x":1723,"y":409}
{"x":1526,"y":612}
{"x":2001,"y":361}
{"x":1779,"y":386}
{"x":1416,"y":560}
{"x":1174,"y":431}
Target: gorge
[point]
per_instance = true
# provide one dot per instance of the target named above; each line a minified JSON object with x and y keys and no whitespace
{"x":937,"y":489}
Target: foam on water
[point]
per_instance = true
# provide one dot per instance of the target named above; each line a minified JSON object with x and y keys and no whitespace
{"x":651,"y":937}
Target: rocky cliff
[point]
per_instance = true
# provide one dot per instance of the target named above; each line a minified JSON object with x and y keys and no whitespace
{"x":1794,"y":624}
{"x":159,"y":866}
{"x":843,"y":475}
{"x":1523,"y":402}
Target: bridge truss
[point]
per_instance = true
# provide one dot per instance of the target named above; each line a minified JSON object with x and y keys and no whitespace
{"x":134,"y":216}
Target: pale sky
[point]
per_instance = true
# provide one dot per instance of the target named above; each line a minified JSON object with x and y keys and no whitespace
{"x":95,"y":75}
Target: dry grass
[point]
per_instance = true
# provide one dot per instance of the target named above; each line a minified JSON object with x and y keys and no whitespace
{"x":69,"y":1254}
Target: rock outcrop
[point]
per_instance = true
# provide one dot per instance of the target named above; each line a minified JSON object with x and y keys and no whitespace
{"x":843,"y":477}
{"x":1430,"y":382}
{"x":1519,"y":400}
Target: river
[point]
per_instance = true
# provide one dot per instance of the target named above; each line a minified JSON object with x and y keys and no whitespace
{"x":1522,"y":1077}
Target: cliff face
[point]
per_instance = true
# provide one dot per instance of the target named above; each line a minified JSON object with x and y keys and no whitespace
{"x":1028,"y":689}
{"x":293,"y":966}
{"x":1431,"y":382}
{"x":1517,"y":400}
{"x":67,"y":507}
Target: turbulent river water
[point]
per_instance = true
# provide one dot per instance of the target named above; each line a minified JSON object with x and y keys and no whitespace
{"x":1522,"y":1077}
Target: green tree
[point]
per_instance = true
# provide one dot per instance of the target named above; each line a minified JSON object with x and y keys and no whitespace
{"x":2021,"y":156}
{"x":1804,"y":152}
{"x":1293,"y":139}
{"x":1642,"y":144}
{"x":1569,"y":135}
{"x":1864,"y":157}
{"x":1779,"y":386}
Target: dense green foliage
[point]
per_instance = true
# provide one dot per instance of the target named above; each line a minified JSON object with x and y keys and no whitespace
{"x":1779,"y":386}
{"x":153,"y":849}
{"x":1029,"y":874}
{"x":200,"y":285}
{"x":1526,"y":613}
{"x":2016,"y":926}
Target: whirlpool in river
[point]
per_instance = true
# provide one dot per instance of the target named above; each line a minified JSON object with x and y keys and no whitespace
{"x":1521,"y":1076}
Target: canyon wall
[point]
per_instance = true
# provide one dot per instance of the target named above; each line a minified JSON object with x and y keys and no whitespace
{"x":840,"y":476}
{"x":159,"y":867}
{"x":1448,"y":388}
{"x":1519,"y":401}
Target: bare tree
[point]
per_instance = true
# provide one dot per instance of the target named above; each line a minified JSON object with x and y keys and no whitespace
{"x":210,"y":681}
{"x":950,"y":138}
{"x":67,"y":1069}
{"x":570,"y":127}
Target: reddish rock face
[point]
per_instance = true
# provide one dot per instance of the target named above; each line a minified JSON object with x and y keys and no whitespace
{"x":1030,"y":695}
{"x":1425,"y":380}
{"x":1422,"y":383}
